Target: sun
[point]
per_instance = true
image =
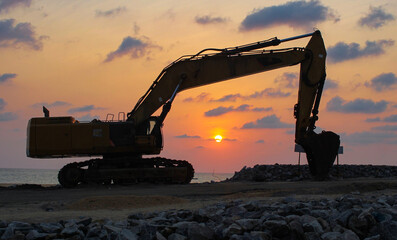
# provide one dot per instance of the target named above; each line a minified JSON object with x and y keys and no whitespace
{"x":218,"y":138}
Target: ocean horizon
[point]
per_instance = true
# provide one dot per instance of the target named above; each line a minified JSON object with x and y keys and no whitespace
{"x":50,"y":176}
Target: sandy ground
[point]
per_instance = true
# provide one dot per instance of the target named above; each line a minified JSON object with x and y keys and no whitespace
{"x":117,"y":202}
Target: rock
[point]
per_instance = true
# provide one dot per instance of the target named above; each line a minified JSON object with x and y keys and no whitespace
{"x":184,"y":214}
{"x":126,"y":234}
{"x":199,"y":232}
{"x":344,"y":217}
{"x":176,"y":236}
{"x":358,"y":225}
{"x":3,"y":224}
{"x":257,"y":235}
{"x":388,"y":230}
{"x":296,"y":228}
{"x":248,"y":224}
{"x":16,"y":236}
{"x":236,"y":211}
{"x":279,"y":228}
{"x":381,"y":216}
{"x":310,"y":224}
{"x":96,"y":232}
{"x":34,"y":234}
{"x":181,"y":227}
{"x":111,"y":229}
{"x":376,"y":237}
{"x":84,"y":221}
{"x":332,"y":236}
{"x":237,"y":237}
{"x":20,"y":226}
{"x":160,"y":236}
{"x":51,"y":227}
{"x":350,"y":235}
{"x":312,"y":236}
{"x":8,"y":233}
{"x":231,"y":230}
{"x":147,"y":231}
{"x":71,"y":231}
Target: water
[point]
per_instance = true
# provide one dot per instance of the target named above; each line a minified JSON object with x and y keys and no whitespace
{"x":50,"y":176}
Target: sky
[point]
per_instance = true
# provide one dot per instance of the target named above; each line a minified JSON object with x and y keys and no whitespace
{"x":89,"y":58}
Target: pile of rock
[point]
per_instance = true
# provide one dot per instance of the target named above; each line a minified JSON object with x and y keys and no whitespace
{"x":347,"y":217}
{"x":279,"y":172}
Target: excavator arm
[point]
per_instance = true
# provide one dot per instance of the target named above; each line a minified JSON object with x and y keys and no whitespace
{"x":224,"y":64}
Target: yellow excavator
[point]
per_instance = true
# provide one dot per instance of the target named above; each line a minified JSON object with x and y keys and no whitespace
{"x":121,"y":144}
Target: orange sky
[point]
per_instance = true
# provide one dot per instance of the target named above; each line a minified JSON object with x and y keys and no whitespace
{"x":73,"y":56}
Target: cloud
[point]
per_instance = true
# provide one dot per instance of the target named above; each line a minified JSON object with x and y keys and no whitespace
{"x":261,"y":109}
{"x":295,"y":14}
{"x":343,"y":51}
{"x":53,"y":104}
{"x":205,"y":20}
{"x":136,"y":28}
{"x":269,"y":92}
{"x":186,"y":136}
{"x":359,"y":105}
{"x":7,"y":76}
{"x":87,"y":108}
{"x":218,"y":111}
{"x":288,"y":80}
{"x":6,"y":5}
{"x":386,"y":128}
{"x":377,"y":119}
{"x":110,"y":13}
{"x":367,"y":137}
{"x":331,"y":84}
{"x":7,"y":116}
{"x":382,"y":82}
{"x":242,"y":108}
{"x":260,"y":141}
{"x":392,"y":118}
{"x":2,"y":104}
{"x":199,"y":98}
{"x":228,"y":98}
{"x":229,"y":139}
{"x":271,"y":121}
{"x":375,"y":18}
{"x":134,"y":47}
{"x":21,"y":34}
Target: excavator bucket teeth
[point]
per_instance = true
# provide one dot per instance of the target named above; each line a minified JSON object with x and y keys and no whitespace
{"x":321,"y":150}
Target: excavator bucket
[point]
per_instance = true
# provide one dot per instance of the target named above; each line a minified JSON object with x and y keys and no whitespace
{"x":321,"y":150}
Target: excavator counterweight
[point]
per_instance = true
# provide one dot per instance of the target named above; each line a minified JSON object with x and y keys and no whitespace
{"x":121,"y":144}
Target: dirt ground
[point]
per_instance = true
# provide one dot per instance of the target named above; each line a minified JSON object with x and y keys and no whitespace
{"x":51,"y":204}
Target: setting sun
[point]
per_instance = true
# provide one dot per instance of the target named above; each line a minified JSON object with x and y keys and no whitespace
{"x":218,"y":138}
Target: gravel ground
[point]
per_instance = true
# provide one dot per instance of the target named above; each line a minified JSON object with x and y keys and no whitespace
{"x":276,"y":202}
{"x":347,"y":217}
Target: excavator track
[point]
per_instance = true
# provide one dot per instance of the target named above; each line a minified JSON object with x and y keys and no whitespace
{"x":126,"y":170}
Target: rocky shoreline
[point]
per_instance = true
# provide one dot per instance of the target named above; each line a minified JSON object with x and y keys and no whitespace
{"x":352,"y":216}
{"x":277,"y":172}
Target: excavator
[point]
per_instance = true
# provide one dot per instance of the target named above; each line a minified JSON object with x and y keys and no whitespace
{"x":121,"y":144}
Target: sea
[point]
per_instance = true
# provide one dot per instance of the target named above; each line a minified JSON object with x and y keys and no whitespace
{"x":50,"y":176}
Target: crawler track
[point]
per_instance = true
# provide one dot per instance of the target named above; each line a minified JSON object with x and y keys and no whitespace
{"x":126,"y":170}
